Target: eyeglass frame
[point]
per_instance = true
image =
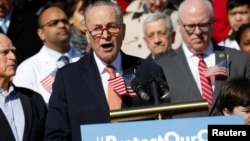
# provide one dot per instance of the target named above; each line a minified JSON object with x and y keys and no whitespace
{"x":53,"y":23}
{"x":196,"y":25}
{"x":98,"y":36}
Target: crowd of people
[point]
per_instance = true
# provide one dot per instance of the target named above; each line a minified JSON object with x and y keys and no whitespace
{"x":67,"y":63}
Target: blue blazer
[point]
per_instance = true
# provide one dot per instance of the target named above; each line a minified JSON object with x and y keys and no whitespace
{"x":78,"y":96}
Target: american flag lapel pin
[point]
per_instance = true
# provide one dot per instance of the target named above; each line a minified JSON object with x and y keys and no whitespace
{"x":221,"y":55}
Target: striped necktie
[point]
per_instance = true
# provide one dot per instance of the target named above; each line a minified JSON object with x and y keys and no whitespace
{"x":3,"y":25}
{"x":206,"y":88}
{"x":114,"y":100}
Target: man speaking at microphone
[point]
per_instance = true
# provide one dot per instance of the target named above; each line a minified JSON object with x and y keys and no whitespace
{"x":84,"y":92}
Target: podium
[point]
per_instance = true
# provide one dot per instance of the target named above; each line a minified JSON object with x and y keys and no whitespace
{"x":122,"y":128}
{"x":158,"y":111}
{"x":185,"y":129}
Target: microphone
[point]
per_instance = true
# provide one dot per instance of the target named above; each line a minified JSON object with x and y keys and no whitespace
{"x":164,"y":89}
{"x":139,"y":88}
{"x":154,"y":90}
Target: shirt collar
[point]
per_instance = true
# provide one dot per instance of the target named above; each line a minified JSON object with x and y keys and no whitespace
{"x":56,"y":55}
{"x":7,"y":18}
{"x":116,"y":63}
{"x":10,"y":90}
{"x":189,"y":54}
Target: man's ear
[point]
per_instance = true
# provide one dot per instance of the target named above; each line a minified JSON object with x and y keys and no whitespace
{"x":173,"y":36}
{"x":41,"y":34}
{"x":87,"y":35}
{"x":226,"y":112}
{"x":144,"y":39}
{"x":124,"y":30}
{"x":178,"y":26}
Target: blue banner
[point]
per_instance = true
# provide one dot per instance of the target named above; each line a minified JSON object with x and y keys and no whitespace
{"x":183,"y":129}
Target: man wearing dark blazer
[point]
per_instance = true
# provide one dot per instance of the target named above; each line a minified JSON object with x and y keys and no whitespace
{"x":22,"y":30}
{"x":181,"y":66}
{"x":22,"y":111}
{"x":80,"y":89}
{"x":35,"y":111}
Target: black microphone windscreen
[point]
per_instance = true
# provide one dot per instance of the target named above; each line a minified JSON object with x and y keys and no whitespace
{"x":135,"y":82}
{"x":138,"y":86}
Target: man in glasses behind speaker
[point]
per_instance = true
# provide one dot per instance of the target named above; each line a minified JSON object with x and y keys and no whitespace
{"x":38,"y":71}
{"x":199,"y":66}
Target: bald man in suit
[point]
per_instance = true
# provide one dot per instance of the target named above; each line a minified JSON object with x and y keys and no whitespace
{"x":22,"y":111}
{"x":181,"y":66}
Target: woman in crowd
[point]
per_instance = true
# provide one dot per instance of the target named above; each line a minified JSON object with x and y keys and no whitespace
{"x":75,"y":10}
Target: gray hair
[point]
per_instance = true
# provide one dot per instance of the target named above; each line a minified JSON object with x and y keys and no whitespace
{"x":104,"y":3}
{"x":157,"y":16}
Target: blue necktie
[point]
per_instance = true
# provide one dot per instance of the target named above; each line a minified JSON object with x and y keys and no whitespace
{"x":3,"y":25}
{"x":64,"y":59}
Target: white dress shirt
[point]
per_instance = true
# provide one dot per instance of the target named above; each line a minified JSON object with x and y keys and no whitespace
{"x":33,"y":70}
{"x":105,"y":75}
{"x":193,"y":60}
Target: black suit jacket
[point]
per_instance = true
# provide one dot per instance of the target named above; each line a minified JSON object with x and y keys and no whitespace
{"x":35,"y":112}
{"x":182,"y":85}
{"x":23,"y":33}
{"x":78,"y":96}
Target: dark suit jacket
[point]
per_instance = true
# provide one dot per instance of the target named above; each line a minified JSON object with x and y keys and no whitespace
{"x":23,"y":34}
{"x":182,"y":84}
{"x":78,"y":96}
{"x":35,"y":112}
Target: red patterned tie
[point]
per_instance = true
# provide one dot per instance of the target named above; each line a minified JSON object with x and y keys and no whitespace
{"x":207,"y":92}
{"x":114,"y":100}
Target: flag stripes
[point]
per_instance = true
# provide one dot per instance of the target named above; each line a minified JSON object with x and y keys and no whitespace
{"x":118,"y":84}
{"x":48,"y":81}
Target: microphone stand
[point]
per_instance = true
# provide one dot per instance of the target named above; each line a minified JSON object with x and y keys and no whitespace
{"x":154,"y":91}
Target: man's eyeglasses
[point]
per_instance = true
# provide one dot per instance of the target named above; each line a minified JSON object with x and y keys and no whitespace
{"x":153,"y":1}
{"x":55,"y":22}
{"x":97,"y":32}
{"x":190,"y":28}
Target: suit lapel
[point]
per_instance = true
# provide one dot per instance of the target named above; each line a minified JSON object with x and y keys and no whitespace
{"x":129,"y":64}
{"x":129,"y":68}
{"x":183,"y":66}
{"x":219,"y":56}
{"x":27,"y":114}
{"x":6,"y":132}
{"x":94,"y":81}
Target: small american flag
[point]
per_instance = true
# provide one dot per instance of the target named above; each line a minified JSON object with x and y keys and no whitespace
{"x":122,"y":85}
{"x":218,"y":70}
{"x":48,"y":81}
{"x":118,"y":85}
{"x":128,"y":79}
